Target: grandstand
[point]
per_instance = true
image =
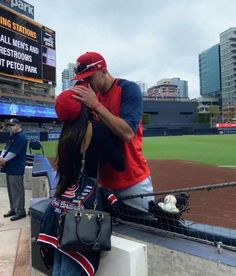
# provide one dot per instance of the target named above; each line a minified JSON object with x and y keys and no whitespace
{"x":31,"y":97}
{"x":27,"y":94}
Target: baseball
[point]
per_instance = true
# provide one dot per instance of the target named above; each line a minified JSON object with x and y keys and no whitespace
{"x":171,"y":208}
{"x":170,"y":199}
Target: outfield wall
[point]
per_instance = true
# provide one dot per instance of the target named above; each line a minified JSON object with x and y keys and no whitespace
{"x":147,"y":132}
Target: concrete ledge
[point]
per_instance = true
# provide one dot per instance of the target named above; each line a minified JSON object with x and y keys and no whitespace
{"x":125,"y":258}
{"x":128,"y":258}
{"x":174,"y":256}
{"x":40,"y":187}
{"x":27,"y":178}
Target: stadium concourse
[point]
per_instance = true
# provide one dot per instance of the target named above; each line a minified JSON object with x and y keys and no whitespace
{"x":14,"y":240}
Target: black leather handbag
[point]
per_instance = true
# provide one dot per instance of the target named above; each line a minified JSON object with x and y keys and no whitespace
{"x":85,"y":231}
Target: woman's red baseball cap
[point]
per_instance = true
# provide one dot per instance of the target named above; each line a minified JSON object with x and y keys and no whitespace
{"x":66,"y":106}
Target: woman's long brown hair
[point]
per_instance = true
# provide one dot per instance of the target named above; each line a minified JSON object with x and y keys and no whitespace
{"x":69,"y":151}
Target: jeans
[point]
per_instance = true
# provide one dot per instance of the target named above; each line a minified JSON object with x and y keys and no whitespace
{"x":142,"y":187}
{"x":65,"y":266}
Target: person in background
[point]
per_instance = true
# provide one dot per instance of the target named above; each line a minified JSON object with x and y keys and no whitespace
{"x":13,"y":162}
{"x":82,"y":143}
{"x":117,"y":103}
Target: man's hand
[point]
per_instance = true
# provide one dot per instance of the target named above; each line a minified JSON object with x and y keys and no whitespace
{"x":85,"y":95}
{"x":2,"y":162}
{"x":116,"y":124}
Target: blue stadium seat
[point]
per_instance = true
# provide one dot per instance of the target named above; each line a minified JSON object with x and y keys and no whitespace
{"x":35,"y":145}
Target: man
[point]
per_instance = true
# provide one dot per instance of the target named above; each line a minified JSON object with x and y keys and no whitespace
{"x":13,"y":162}
{"x":118,"y":104}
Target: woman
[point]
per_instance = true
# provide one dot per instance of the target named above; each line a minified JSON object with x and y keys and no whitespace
{"x":77,"y":185}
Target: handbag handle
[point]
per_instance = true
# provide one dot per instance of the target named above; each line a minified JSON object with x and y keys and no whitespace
{"x":99,"y":218}
{"x":84,"y":147}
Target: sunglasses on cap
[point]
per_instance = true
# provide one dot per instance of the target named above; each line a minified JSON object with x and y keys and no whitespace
{"x":84,"y":67}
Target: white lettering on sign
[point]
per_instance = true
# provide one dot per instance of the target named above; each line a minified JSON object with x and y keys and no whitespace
{"x":22,"y":6}
{"x":49,"y":41}
{"x":15,"y":54}
{"x":15,"y":65}
{"x":2,"y":62}
{"x":34,"y":49}
{"x":5,"y":39}
{"x":19,"y":44}
{"x":30,"y":69}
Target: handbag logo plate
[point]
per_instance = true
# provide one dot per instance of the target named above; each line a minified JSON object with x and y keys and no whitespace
{"x":89,"y":216}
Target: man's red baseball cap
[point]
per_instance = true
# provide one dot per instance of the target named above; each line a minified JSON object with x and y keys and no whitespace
{"x":88,"y":64}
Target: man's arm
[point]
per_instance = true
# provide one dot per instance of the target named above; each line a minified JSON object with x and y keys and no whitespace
{"x":9,"y":156}
{"x":116,"y":124}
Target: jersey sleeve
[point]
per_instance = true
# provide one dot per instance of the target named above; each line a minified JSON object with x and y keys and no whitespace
{"x":131,"y":104}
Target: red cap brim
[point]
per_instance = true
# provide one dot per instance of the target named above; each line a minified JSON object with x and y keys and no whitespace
{"x":84,"y":75}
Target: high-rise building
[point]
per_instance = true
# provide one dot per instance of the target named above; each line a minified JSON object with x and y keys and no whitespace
{"x":182,"y":87}
{"x":174,"y":88}
{"x":217,"y":71}
{"x":164,"y":89}
{"x":67,"y":75}
{"x":209,"y":72}
{"x":228,"y":66}
{"x":143,"y":87}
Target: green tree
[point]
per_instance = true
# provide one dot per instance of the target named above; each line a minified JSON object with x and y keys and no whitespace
{"x":229,"y":115}
{"x":215,"y":113}
{"x":146,"y":118}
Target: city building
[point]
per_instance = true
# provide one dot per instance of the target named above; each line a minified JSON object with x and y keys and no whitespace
{"x":228,"y":70}
{"x":217,"y":72}
{"x":182,"y":87}
{"x":143,"y":87}
{"x":209,"y":72}
{"x":67,"y":75}
{"x":164,"y":89}
{"x":169,"y":89}
{"x":205,"y":102}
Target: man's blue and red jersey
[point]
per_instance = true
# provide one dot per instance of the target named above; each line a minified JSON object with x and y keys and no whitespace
{"x":124,"y":99}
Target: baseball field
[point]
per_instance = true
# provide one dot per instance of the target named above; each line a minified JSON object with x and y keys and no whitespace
{"x":208,"y":149}
{"x":178,"y":162}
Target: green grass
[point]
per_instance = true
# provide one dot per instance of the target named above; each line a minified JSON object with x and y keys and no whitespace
{"x":209,"y":149}
{"x":50,"y":148}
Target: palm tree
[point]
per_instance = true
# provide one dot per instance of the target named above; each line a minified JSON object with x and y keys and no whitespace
{"x":215,"y":113}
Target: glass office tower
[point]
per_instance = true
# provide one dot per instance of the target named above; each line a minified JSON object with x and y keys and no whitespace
{"x":67,"y":75}
{"x":228,"y":66}
{"x":209,"y":72}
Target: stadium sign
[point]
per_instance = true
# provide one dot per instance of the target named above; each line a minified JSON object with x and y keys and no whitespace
{"x":27,"y":110}
{"x":54,"y":135}
{"x":27,"y":49}
{"x":32,"y":136}
{"x":225,"y":125}
{"x":19,"y":6}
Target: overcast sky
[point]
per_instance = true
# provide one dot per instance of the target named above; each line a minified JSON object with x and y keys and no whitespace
{"x":143,"y":40}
